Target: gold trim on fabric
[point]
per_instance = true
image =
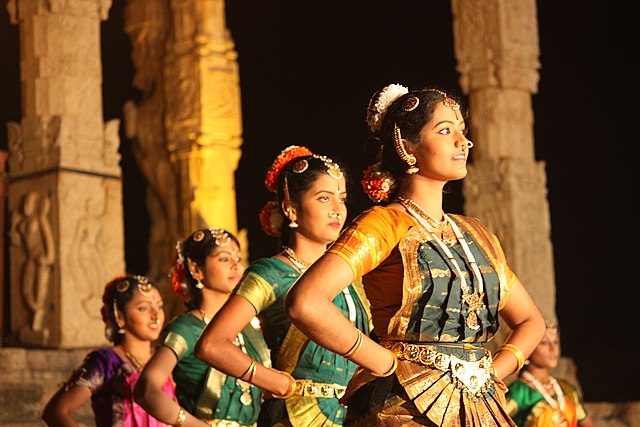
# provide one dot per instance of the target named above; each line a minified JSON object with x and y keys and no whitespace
{"x":316,"y":389}
{"x":292,"y":346}
{"x":176,"y":343}
{"x":257,"y":291}
{"x":304,"y":411}
{"x":210,"y":394}
{"x":226,"y":423}
{"x":412,"y":281}
{"x":364,"y":301}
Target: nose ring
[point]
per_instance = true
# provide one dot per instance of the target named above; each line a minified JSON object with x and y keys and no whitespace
{"x":333,"y":214}
{"x":465,"y":144}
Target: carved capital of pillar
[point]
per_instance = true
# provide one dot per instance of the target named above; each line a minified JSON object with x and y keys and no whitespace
{"x":496,"y":44}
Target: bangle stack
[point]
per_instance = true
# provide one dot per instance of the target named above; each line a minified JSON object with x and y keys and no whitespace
{"x":181,"y":418}
{"x":516,"y":352}
{"x":355,"y":348}
{"x":292,"y":387}
{"x":391,"y":370}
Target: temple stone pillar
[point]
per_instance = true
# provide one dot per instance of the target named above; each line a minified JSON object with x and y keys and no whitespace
{"x":203,"y":113}
{"x":497,"y":52}
{"x":65,"y":190}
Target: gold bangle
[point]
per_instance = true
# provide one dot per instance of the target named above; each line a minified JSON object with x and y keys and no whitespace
{"x":250,"y":370}
{"x":254,"y":368}
{"x":182,"y":417}
{"x":292,"y":387}
{"x":391,"y":370}
{"x":356,"y":346}
{"x":516,"y":352}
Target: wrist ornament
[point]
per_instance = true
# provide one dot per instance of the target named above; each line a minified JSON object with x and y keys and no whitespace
{"x":181,"y":418}
{"x":391,"y":370}
{"x":292,"y":387}
{"x":355,"y":348}
{"x":516,"y":352}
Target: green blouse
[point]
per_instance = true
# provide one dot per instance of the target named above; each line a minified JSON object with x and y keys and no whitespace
{"x":203,"y":391}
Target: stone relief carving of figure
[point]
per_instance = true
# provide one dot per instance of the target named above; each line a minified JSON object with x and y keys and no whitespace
{"x":146,"y":24}
{"x":31,"y":230}
{"x":87,"y":245}
{"x":16,"y":144}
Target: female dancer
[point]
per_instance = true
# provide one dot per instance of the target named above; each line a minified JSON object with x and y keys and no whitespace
{"x":435,"y":282}
{"x":536,"y":399}
{"x":133,"y":315}
{"x":207,"y":269}
{"x":311,"y":195}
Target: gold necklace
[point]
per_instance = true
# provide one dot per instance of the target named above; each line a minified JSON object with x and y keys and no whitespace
{"x":290,"y":254}
{"x":475,"y":300}
{"x":134,"y":361}
{"x":441,"y":226}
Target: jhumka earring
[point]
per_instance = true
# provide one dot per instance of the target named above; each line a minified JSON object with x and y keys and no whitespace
{"x":409,"y":159}
{"x":199,"y":285}
{"x":192,"y":270}
{"x":121,"y":331}
{"x":292,"y":217}
{"x":116,"y":315}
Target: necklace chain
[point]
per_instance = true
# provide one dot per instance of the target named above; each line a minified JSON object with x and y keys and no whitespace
{"x":134,"y":360}
{"x":475,"y":301}
{"x":291,"y":256}
{"x":441,"y":226}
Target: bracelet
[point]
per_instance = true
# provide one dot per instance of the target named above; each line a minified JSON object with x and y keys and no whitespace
{"x":516,"y":352}
{"x":251,"y":370}
{"x":356,"y":346}
{"x":254,"y":368}
{"x":391,"y":370}
{"x":292,"y":387}
{"x":182,"y":417}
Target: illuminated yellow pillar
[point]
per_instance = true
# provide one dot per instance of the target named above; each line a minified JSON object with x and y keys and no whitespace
{"x":203,"y":114}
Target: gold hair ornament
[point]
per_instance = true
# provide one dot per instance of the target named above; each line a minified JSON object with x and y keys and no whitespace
{"x":448,"y":101}
{"x":409,"y":159}
{"x":411,"y":103}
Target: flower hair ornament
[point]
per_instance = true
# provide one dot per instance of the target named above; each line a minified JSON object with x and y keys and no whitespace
{"x":378,"y":183}
{"x":285,"y":156}
{"x":380,"y":102}
{"x":271,"y":219}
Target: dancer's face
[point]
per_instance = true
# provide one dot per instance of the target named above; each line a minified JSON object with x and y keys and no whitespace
{"x":223,"y":268}
{"x":144,"y":315}
{"x":323,"y":211}
{"x":442,"y":153}
{"x":547,"y":353}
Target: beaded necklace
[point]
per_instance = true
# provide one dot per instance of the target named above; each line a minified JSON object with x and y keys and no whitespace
{"x":557,"y":405}
{"x":475,"y":301}
{"x":290,"y":254}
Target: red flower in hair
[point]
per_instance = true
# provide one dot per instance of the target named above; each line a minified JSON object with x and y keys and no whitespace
{"x":271,"y":219}
{"x":285,"y":156}
{"x":377,"y":183}
{"x":179,"y":279}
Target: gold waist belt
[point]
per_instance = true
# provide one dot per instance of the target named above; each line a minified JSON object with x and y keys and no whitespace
{"x":314,"y":389}
{"x":226,"y":423}
{"x":474,"y":376}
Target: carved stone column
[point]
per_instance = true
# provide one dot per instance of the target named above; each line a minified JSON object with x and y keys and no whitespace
{"x":497,"y":52}
{"x":65,"y":191}
{"x":203,"y":113}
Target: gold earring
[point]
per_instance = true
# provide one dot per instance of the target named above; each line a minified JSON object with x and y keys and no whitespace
{"x":121,"y":330}
{"x":290,"y":214}
{"x":409,"y":159}
{"x":199,"y":285}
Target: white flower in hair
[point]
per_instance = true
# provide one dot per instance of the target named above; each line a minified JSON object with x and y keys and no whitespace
{"x":180,"y":256}
{"x":378,"y":106}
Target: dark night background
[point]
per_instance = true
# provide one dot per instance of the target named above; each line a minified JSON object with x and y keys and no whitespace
{"x":307,"y":71}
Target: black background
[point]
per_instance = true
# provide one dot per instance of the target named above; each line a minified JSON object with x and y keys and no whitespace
{"x":307,"y":71}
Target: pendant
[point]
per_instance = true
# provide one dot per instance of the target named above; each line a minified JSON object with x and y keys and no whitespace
{"x":558,"y":419}
{"x":475,"y":303}
{"x":245,"y":398}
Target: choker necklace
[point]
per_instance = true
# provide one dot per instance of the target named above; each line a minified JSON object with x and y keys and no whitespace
{"x":475,"y":301}
{"x":441,"y":226}
{"x":245,"y":397}
{"x":290,"y":254}
{"x":557,"y":405}
{"x":134,"y":361}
